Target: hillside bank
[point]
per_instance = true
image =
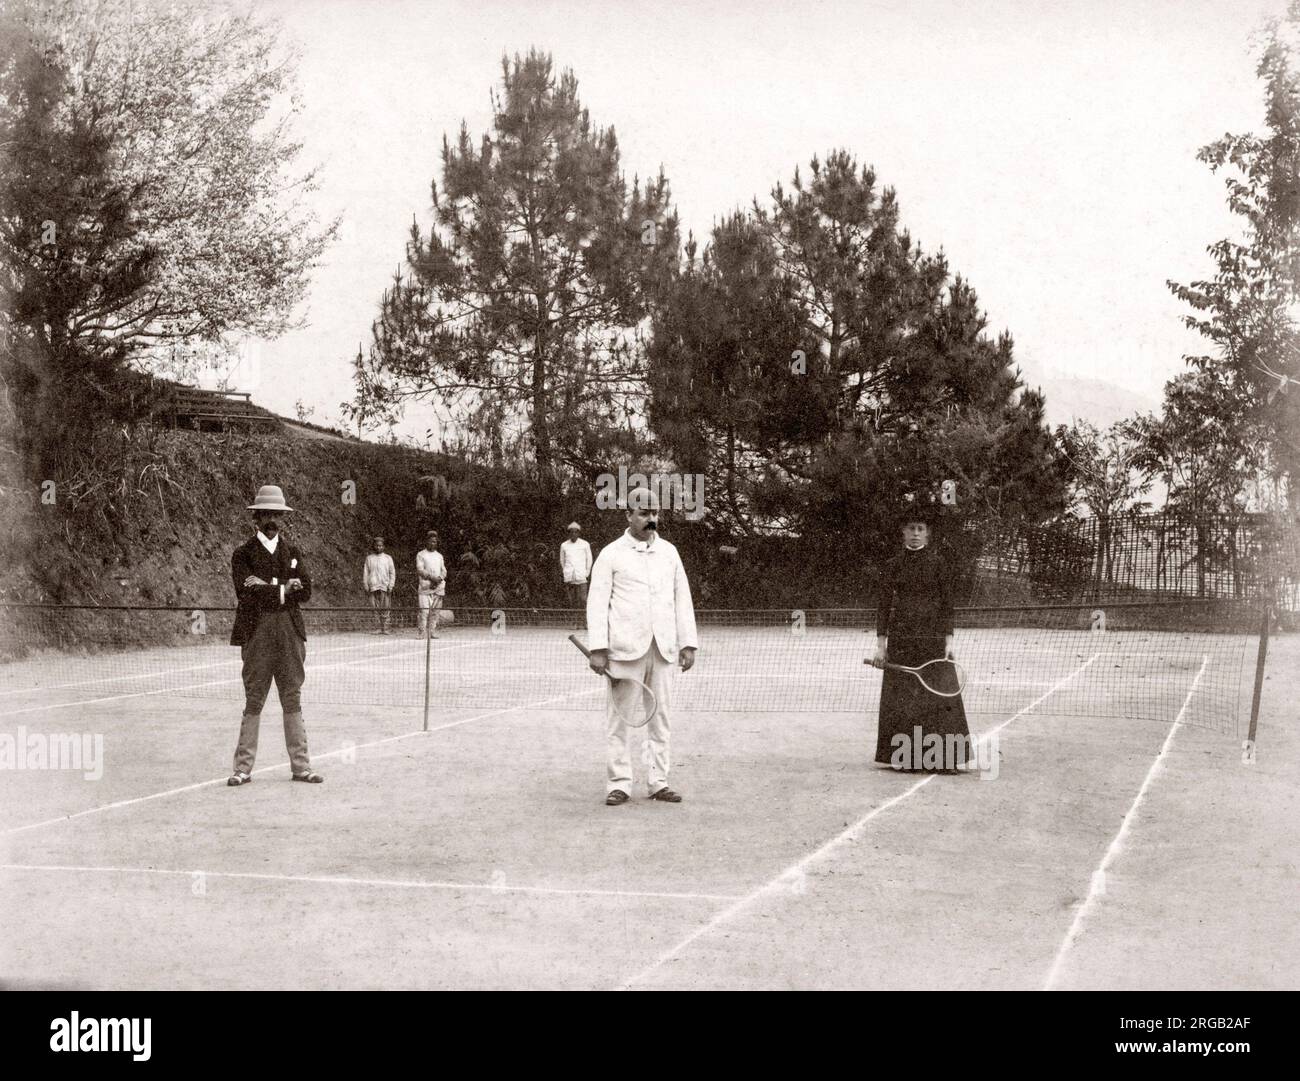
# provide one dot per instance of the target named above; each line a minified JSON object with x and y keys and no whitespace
{"x":150,"y":516}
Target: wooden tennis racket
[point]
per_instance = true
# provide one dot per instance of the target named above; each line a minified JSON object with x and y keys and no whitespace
{"x":633,"y":709}
{"x":927,"y":673}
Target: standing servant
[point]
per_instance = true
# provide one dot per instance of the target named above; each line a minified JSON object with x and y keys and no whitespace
{"x":431,"y":570}
{"x":378,"y":578}
{"x":575,"y":566}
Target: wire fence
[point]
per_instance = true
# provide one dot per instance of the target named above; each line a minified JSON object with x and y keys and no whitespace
{"x":1248,"y":558}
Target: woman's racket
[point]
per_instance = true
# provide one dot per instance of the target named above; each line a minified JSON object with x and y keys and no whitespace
{"x":633,"y":709}
{"x":927,"y":672}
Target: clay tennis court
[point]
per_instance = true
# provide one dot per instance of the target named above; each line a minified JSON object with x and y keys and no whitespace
{"x":1108,"y":851}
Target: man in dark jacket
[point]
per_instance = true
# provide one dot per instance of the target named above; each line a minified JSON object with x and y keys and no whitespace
{"x":270,"y":583}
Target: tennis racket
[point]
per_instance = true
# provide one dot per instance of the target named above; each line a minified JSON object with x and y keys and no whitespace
{"x":634,"y":709}
{"x":927,"y":674}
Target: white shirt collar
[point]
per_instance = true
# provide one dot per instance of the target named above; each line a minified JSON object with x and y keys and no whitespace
{"x":269,"y":543}
{"x":640,"y":546}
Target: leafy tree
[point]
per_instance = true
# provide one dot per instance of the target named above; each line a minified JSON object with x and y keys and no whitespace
{"x":521,"y":306}
{"x":1108,"y":472}
{"x":1248,"y":310}
{"x":1199,"y":448}
{"x":1106,"y":468}
{"x":1207,"y":458}
{"x":146,"y":196}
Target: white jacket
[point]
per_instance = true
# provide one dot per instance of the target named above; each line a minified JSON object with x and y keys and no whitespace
{"x":430,"y":565}
{"x":639,"y":594}
{"x":575,"y":560}
{"x":379,"y":572}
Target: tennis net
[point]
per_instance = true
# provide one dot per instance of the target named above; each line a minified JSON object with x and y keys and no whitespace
{"x":1134,"y":661}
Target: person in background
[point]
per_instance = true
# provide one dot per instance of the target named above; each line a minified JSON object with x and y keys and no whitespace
{"x":270,"y":583}
{"x":575,"y":566}
{"x":432,"y":573}
{"x":378,"y":579}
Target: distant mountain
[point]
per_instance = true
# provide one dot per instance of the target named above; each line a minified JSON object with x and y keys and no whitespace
{"x":1093,"y":400}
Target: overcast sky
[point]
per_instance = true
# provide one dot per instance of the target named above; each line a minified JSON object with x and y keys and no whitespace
{"x":1048,"y":148}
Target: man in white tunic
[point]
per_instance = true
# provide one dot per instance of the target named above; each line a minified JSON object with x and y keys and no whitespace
{"x":575,"y":566}
{"x":431,"y":571}
{"x":640,"y":622}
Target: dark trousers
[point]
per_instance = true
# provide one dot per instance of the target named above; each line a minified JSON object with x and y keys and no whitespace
{"x":274,"y":653}
{"x":576,"y":593}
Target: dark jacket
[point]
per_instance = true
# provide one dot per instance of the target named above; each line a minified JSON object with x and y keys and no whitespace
{"x":256,"y":601}
{"x":916,"y":594}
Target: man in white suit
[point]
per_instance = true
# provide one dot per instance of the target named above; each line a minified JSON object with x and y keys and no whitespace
{"x":640,"y":622}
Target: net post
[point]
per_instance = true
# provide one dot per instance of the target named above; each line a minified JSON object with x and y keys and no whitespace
{"x":1248,"y":747}
{"x":428,"y":660}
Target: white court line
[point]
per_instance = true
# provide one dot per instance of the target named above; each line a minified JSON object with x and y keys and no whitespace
{"x":116,"y":697}
{"x":280,"y":765}
{"x":1055,"y":686}
{"x":1098,"y":885}
{"x":792,"y":874}
{"x":194,"y":686}
{"x":162,"y":673}
{"x":409,"y":884}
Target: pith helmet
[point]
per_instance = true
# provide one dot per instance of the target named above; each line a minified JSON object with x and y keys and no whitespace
{"x":269,"y":497}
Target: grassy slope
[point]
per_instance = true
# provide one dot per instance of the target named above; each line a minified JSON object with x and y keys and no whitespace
{"x":163,"y":519}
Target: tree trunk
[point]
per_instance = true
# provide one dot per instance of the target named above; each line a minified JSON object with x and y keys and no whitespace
{"x":541,"y":422}
{"x":1103,"y":554}
{"x":1161,"y":527}
{"x":1201,"y":541}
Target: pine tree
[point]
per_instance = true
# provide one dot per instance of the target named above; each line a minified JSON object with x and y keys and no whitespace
{"x":730,"y":393}
{"x":521,"y":306}
{"x":822,"y":366}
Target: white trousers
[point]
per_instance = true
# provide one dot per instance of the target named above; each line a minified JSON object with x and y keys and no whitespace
{"x":655,"y":673}
{"x":429,"y":602}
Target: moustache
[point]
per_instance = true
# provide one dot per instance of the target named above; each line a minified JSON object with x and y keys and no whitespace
{"x":652,"y":524}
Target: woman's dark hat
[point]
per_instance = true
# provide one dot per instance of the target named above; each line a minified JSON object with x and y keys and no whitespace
{"x":918,"y":507}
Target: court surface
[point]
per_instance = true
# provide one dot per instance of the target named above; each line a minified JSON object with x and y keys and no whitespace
{"x":1107,"y":852}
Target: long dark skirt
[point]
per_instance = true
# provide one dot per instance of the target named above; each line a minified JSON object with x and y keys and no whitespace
{"x":909,"y":711}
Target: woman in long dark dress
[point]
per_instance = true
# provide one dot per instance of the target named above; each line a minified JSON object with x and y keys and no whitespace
{"x":914,"y":624}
